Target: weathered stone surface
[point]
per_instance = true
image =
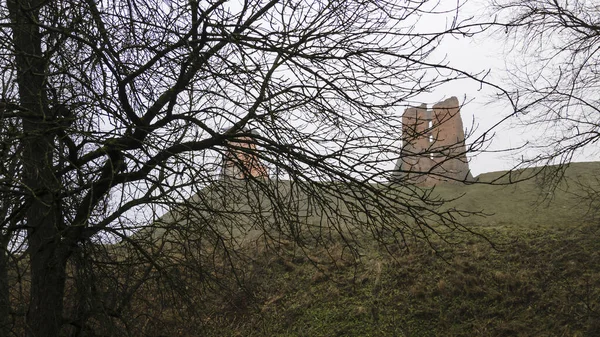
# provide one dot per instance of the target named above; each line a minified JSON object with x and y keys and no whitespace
{"x":433,"y":145}
{"x":241,"y":161}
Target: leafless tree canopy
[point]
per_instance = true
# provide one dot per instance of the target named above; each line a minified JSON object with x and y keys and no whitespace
{"x":555,"y":83}
{"x":114,"y":112}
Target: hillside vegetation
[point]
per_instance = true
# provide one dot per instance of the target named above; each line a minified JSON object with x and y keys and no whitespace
{"x":534,"y":270}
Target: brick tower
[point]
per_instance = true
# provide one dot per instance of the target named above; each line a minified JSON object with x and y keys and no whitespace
{"x":433,"y":145}
{"x":241,"y":160}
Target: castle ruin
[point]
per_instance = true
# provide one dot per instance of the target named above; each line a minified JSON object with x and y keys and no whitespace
{"x":433,"y":145}
{"x":433,"y":149}
{"x":241,"y":160}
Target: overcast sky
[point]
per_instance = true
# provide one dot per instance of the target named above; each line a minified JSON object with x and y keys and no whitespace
{"x":482,"y":53}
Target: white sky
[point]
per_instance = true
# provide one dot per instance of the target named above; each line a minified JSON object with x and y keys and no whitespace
{"x":485,"y":52}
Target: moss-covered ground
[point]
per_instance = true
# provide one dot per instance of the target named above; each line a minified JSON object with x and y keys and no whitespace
{"x":536,"y":273}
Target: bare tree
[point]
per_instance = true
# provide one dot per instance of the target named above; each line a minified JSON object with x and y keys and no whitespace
{"x":555,"y":79}
{"x":9,"y":213}
{"x":125,"y":110}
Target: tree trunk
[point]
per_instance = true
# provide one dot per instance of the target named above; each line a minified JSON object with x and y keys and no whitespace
{"x":5,"y":328}
{"x":45,"y":315}
{"x":48,"y":257}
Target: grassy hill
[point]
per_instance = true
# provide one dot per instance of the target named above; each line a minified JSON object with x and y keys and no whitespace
{"x":535,"y":271}
{"x":533,"y":202}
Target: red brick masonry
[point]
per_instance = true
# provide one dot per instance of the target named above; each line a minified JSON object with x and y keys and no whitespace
{"x":433,"y":145}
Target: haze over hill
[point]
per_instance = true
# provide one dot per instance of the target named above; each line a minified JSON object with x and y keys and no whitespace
{"x":541,"y":279}
{"x":538,"y":200}
{"x":534,"y":199}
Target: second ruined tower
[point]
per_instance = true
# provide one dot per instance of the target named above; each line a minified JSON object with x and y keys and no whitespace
{"x":433,"y":145}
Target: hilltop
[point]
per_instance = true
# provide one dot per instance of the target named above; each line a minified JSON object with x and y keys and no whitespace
{"x":533,"y":271}
{"x":537,"y":200}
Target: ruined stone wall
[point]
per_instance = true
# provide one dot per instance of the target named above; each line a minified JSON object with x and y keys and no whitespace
{"x":415,"y":131}
{"x":433,"y":145}
{"x":241,"y":161}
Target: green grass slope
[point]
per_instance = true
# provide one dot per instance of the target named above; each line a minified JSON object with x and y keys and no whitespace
{"x":534,"y":202}
{"x":542,"y":277}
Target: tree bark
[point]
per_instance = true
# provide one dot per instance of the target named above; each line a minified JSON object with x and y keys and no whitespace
{"x":4,"y":291}
{"x":47,"y":256}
